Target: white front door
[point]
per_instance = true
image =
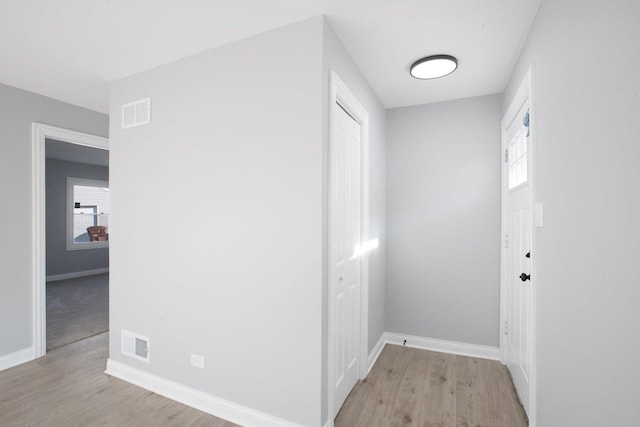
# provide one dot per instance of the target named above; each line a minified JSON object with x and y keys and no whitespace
{"x":344,"y":239}
{"x":518,"y":227}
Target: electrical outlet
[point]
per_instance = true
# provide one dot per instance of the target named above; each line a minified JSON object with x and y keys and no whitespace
{"x":197,"y":361}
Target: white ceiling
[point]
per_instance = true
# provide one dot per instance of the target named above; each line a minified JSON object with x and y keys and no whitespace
{"x":70,"y":50}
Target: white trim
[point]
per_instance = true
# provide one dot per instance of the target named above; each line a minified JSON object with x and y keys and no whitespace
{"x":443,"y":346}
{"x":533,"y":174}
{"x":39,"y":133}
{"x":76,"y":274}
{"x":521,"y":96}
{"x":341,"y":94}
{"x":375,"y":353}
{"x":16,"y":358}
{"x":525,"y":93}
{"x":208,"y":403}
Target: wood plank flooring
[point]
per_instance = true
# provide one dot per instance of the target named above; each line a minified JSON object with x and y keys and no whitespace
{"x":423,"y":388}
{"x":68,"y":387}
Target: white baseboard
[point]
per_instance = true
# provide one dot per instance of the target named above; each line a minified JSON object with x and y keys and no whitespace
{"x":453,"y":347}
{"x":213,"y":405}
{"x":245,"y":416}
{"x":375,"y":353}
{"x":16,"y":358}
{"x":75,"y":274}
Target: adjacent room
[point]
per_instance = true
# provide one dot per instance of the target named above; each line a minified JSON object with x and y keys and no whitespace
{"x":319,"y":213}
{"x":77,"y":238}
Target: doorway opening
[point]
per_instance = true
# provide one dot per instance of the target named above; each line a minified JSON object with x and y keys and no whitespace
{"x":70,"y":236}
{"x":77,"y":242}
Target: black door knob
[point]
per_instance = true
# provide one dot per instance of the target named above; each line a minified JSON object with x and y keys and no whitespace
{"x":525,"y":277}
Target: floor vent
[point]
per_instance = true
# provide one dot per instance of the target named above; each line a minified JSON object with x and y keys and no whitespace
{"x":136,"y":346}
{"x":136,"y":113}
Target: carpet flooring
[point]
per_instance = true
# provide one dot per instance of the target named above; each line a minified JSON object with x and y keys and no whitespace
{"x":77,"y":309}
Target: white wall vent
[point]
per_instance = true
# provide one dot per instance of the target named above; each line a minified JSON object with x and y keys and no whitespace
{"x":136,"y":346}
{"x":136,"y":113}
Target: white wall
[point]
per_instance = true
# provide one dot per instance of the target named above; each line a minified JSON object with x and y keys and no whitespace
{"x":587,"y":91}
{"x":337,"y":59}
{"x":443,"y":220}
{"x":235,"y":150}
{"x":18,"y":109}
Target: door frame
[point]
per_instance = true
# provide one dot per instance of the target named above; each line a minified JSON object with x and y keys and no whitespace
{"x":525,"y":92}
{"x":39,"y":134}
{"x":341,"y":94}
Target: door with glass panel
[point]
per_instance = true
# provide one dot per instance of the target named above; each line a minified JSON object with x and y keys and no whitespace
{"x":518,"y":298}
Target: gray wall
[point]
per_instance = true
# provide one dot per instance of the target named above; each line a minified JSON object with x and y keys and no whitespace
{"x":337,"y":58}
{"x":443,"y":220}
{"x":18,"y":109}
{"x":59,"y":260}
{"x":587,"y":105}
{"x":235,"y":146}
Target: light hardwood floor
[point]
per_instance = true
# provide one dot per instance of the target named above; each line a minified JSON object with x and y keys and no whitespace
{"x":68,"y":387}
{"x":423,"y":388}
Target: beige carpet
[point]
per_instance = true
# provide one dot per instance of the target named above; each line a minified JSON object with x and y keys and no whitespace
{"x":77,"y":309}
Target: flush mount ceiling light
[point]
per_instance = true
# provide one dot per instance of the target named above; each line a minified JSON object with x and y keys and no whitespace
{"x":434,"y":66}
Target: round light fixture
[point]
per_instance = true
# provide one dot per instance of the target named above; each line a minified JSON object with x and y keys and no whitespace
{"x":434,"y":66}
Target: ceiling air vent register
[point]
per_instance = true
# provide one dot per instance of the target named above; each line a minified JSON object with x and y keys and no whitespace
{"x":136,"y":113}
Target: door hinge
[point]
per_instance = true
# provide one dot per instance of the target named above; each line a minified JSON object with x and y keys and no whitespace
{"x":506,"y":241}
{"x":506,"y":327}
{"x":506,"y":155}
